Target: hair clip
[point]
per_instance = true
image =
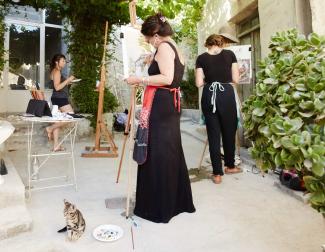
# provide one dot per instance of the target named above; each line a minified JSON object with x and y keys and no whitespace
{"x":163,"y":19}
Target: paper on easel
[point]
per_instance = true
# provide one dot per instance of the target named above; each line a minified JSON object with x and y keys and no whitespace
{"x":134,"y":50}
{"x":243,"y":54}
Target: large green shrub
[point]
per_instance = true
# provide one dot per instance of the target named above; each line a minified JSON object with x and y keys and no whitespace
{"x":2,"y":32}
{"x":285,"y":115}
{"x":189,"y":91}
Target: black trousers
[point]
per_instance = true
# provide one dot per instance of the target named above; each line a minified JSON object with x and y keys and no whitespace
{"x":221,"y":123}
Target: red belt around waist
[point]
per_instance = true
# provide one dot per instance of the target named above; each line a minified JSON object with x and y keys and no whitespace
{"x":177,"y":95}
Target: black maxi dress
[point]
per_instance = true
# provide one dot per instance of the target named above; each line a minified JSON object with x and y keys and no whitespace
{"x":163,"y":185}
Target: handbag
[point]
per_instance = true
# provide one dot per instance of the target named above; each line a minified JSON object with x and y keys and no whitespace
{"x":291,"y":180}
{"x":38,"y":108}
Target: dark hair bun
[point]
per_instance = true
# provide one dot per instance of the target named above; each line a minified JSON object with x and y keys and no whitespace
{"x":156,"y":24}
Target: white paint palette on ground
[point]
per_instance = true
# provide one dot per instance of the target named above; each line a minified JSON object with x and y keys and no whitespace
{"x":107,"y":233}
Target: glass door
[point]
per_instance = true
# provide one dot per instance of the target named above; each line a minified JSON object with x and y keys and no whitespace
{"x":24,"y":56}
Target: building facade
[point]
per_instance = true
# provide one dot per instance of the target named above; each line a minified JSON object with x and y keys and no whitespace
{"x":256,"y":21}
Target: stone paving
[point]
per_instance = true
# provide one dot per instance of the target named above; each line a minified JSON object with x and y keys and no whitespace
{"x":244,"y":213}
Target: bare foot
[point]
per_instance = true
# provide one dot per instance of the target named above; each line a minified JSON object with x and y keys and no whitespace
{"x":233,"y":170}
{"x":216,"y":179}
{"x":59,"y":148}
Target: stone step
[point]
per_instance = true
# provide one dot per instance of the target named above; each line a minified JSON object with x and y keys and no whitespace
{"x":18,"y":143}
{"x":193,"y":129}
{"x":12,"y":191}
{"x":13,"y":221}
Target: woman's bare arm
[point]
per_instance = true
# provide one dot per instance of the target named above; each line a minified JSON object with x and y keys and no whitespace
{"x":58,"y":85}
{"x":199,"y":77}
{"x":235,"y":73}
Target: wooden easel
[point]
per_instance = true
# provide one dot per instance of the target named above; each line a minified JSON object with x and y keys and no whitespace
{"x":101,"y":129}
{"x":129,"y":129}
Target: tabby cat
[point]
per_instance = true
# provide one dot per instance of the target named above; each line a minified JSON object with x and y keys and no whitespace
{"x":75,"y":222}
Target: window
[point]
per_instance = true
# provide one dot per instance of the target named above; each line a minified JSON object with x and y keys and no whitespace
{"x":24,"y":56}
{"x":32,"y":39}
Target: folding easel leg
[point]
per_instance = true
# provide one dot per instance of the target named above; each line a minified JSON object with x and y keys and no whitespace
{"x":202,"y":156}
{"x":131,"y":142}
{"x":126,"y":135}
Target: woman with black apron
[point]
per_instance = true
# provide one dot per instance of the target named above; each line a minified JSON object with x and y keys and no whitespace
{"x":217,"y":70}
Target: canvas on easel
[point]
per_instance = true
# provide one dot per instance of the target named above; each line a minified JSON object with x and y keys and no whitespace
{"x":135,"y":51}
{"x":101,"y":129}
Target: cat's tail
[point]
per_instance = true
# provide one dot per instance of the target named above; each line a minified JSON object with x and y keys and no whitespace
{"x":63,"y":230}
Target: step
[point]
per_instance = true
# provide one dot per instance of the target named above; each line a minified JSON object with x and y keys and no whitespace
{"x":12,"y":191}
{"x":301,"y":196}
{"x":194,"y":130}
{"x":13,"y":221}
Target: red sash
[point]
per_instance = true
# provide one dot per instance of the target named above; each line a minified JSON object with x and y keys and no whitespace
{"x":141,"y":140}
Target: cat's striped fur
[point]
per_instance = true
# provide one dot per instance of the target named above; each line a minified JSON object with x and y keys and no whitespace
{"x":75,"y":222}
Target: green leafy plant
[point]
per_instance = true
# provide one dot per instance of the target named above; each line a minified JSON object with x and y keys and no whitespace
{"x":285,"y":116}
{"x":189,"y":91}
{"x":184,"y":14}
{"x":2,"y":32}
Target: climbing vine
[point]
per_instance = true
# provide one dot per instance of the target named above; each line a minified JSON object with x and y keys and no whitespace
{"x":184,"y":14}
{"x":2,"y":32}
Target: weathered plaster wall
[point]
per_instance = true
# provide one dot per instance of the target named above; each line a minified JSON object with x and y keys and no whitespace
{"x":318,"y":17}
{"x":275,"y":16}
{"x":16,"y":101}
{"x":215,"y":14}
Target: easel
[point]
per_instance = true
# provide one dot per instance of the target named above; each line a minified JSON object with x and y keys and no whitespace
{"x":129,"y":129}
{"x":101,"y":129}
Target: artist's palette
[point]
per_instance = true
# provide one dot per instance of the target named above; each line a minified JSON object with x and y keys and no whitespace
{"x":107,"y":233}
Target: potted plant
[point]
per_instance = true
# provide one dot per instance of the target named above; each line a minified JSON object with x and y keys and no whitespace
{"x":285,"y":115}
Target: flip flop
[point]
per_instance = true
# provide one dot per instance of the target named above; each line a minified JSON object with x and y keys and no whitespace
{"x":233,"y":170}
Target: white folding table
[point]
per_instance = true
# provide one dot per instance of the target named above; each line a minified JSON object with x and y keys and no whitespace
{"x":68,"y":134}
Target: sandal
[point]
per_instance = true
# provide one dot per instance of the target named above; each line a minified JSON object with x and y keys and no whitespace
{"x":59,"y":148}
{"x":216,"y":179}
{"x":233,"y":170}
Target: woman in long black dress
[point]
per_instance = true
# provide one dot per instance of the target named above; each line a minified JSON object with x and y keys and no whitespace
{"x":163,"y":185}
